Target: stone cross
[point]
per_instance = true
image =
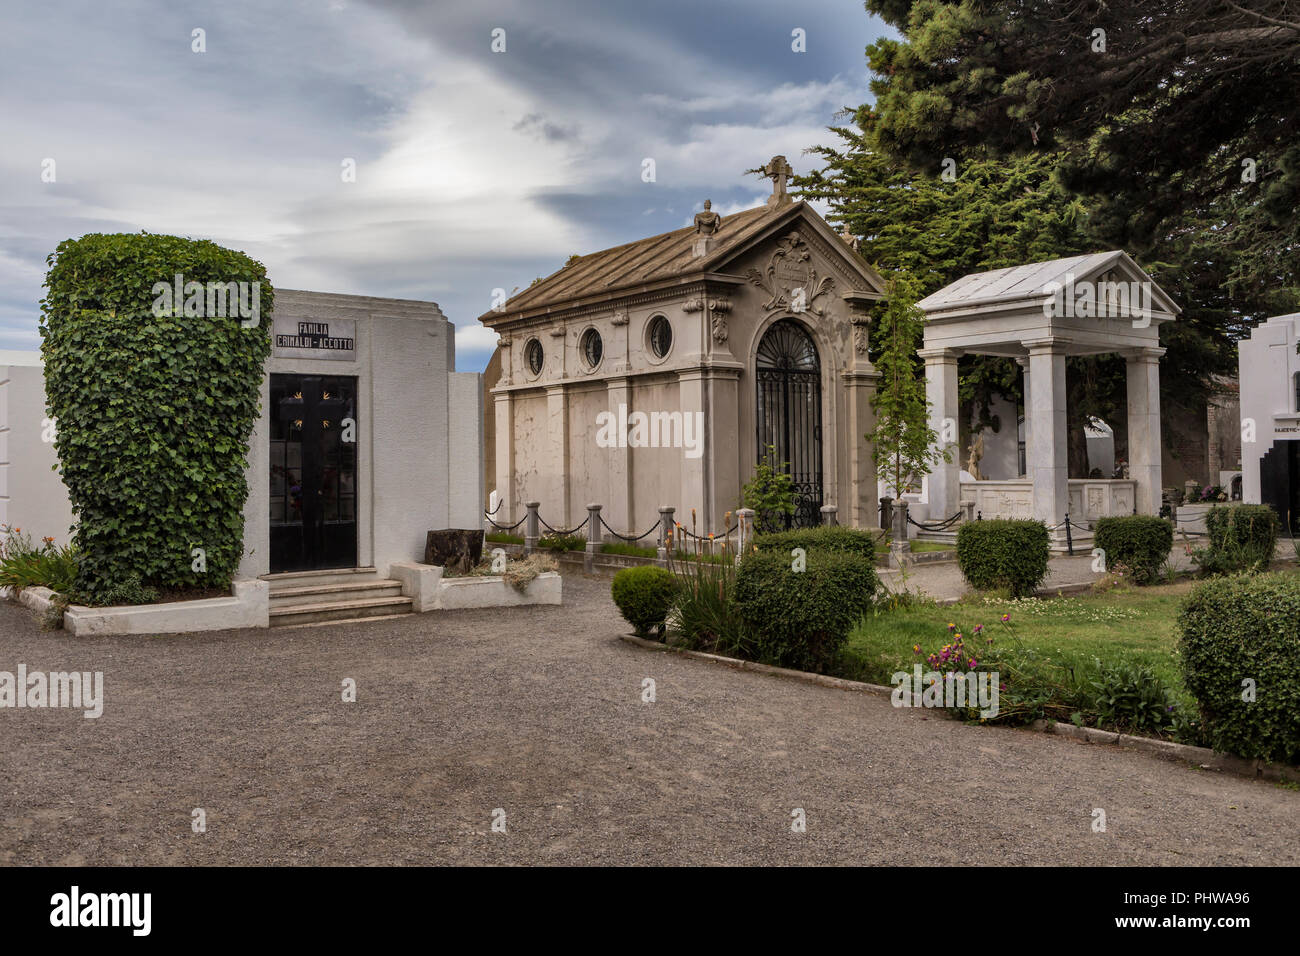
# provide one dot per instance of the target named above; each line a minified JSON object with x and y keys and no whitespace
{"x":778,"y":170}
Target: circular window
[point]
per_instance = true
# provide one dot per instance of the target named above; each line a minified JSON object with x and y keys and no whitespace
{"x":591,"y":347}
{"x":661,"y":336}
{"x":533,"y":356}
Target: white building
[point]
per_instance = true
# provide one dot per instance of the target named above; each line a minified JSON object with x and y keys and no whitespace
{"x":1270,"y":416}
{"x":368,"y":439}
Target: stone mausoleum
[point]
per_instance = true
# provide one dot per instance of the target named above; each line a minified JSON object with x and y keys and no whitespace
{"x":659,"y":373}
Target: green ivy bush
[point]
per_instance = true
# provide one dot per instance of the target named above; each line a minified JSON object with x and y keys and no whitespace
{"x":644,"y":595}
{"x":802,"y":619}
{"x":1241,"y":537}
{"x":1139,"y":542}
{"x":824,"y":538}
{"x":1242,"y":629}
{"x":1003,"y":555}
{"x":153,"y":411}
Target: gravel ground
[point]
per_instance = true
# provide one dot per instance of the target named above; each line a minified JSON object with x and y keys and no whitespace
{"x":538,"y":711}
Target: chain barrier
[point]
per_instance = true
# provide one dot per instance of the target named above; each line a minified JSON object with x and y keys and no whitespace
{"x":943,"y":525}
{"x":563,"y":534}
{"x":628,"y":538}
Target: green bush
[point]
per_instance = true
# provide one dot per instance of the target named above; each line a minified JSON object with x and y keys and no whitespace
{"x":702,"y":617}
{"x":1242,"y":629}
{"x":562,"y":542}
{"x":1139,"y":542}
{"x":644,"y":595}
{"x":1241,"y":537}
{"x":24,"y":566}
{"x":1003,"y":555}
{"x":825,"y":538}
{"x":1130,"y":695}
{"x":802,"y":619}
{"x":154,"y":401}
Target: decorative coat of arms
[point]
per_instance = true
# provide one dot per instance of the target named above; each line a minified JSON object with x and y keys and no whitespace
{"x":790,"y":279}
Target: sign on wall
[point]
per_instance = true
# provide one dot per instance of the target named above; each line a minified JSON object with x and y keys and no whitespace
{"x":334,"y":340}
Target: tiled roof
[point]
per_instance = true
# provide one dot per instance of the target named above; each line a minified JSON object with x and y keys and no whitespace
{"x":657,"y":258}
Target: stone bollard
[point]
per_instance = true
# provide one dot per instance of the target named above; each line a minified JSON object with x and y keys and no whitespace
{"x":665,"y":535}
{"x":968,"y":511}
{"x":593,"y":538}
{"x":530,"y":527}
{"x":898,"y":549}
{"x":744,"y":531}
{"x":828,"y":516}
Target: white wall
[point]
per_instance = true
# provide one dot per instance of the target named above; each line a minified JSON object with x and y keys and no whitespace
{"x":32,"y":495}
{"x":1268,"y":364}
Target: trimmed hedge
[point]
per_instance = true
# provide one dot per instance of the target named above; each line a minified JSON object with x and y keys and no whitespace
{"x":1238,"y":629}
{"x":1139,"y":542}
{"x":802,"y":619}
{"x":1003,"y":554}
{"x":1241,"y":537}
{"x":155,"y":401}
{"x":824,"y":538}
{"x":644,"y":595}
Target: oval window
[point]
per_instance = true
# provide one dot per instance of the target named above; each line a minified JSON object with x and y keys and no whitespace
{"x":661,"y":336}
{"x":533,"y":356}
{"x":591,"y":347}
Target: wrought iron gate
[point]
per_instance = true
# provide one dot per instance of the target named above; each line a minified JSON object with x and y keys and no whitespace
{"x":790,"y":414}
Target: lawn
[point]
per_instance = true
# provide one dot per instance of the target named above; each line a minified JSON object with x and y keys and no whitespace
{"x":1137,"y":624}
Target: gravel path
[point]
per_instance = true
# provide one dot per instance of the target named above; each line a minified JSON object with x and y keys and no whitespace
{"x":538,"y":711}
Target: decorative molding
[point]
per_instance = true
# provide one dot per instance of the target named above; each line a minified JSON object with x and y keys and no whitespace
{"x":620,"y":318}
{"x":558,"y":331}
{"x":719,"y":328}
{"x":789,"y":270}
{"x":693,"y":305}
{"x":861,"y":334}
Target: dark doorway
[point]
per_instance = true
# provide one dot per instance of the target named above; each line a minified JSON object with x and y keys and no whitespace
{"x":790,"y":414}
{"x":1279,"y":482}
{"x":313,"y":472}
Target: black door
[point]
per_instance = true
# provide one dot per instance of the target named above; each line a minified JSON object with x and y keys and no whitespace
{"x":790,"y":414}
{"x":313,"y":472}
{"x":1279,"y":482}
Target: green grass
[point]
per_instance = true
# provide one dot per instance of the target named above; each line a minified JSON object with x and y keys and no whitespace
{"x":623,"y":547}
{"x":1136,"y":624}
{"x":501,"y":537}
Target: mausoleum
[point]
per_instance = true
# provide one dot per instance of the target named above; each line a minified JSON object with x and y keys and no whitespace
{"x":1270,"y":416}
{"x":1038,"y":314}
{"x":659,"y":373}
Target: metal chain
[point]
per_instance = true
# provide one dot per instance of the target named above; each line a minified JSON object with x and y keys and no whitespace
{"x":628,"y":538}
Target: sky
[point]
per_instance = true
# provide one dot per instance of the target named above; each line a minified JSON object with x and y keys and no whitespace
{"x":475,"y":169}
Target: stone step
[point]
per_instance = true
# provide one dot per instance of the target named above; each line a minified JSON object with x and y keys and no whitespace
{"x":333,"y":593}
{"x":313,"y":613}
{"x":293,"y":579}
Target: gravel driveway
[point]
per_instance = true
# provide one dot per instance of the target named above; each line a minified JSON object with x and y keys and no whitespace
{"x":539,"y":712}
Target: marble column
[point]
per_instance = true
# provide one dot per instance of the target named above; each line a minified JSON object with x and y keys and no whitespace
{"x":941,"y":391}
{"x":1045,"y":446}
{"x":1144,"y":445}
{"x":618,"y":511}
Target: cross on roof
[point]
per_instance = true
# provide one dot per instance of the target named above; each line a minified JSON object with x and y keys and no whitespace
{"x":777,"y":170}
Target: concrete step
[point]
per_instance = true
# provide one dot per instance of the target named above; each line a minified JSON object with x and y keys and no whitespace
{"x":293,"y":579}
{"x":333,"y":593}
{"x":318,"y":612}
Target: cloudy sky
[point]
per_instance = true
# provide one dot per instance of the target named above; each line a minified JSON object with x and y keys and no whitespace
{"x":475,"y":170}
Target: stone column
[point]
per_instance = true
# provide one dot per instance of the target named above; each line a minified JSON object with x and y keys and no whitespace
{"x":1144,"y":445}
{"x":941,"y":391}
{"x":505,"y":463}
{"x":1045,"y":449}
{"x":621,"y":507}
{"x":555,"y":506}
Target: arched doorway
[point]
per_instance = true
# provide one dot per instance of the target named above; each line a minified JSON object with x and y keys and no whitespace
{"x":789,"y":401}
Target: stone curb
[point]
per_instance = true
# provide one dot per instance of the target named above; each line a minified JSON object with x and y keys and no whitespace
{"x":1201,"y":756}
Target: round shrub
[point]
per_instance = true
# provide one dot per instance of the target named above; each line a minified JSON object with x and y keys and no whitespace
{"x":1241,"y":537}
{"x":824,"y":538}
{"x":1003,"y":555}
{"x":644,"y":595}
{"x":802,"y":619}
{"x":154,"y":400}
{"x":1139,"y":542}
{"x":1243,"y":629}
